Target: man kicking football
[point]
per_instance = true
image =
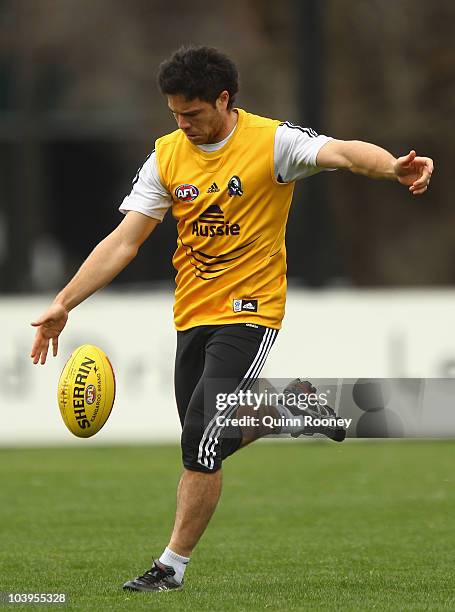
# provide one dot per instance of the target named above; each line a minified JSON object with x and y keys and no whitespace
{"x":228,"y":177}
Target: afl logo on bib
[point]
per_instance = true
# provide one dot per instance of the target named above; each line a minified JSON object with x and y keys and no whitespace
{"x":186,"y":193}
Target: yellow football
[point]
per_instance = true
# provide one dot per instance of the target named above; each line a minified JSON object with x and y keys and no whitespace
{"x":86,"y":391}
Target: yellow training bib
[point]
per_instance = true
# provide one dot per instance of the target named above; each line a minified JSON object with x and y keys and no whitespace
{"x":231,"y":213}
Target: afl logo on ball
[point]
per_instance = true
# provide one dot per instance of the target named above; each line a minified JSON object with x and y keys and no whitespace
{"x":186,"y":193}
{"x":90,"y":394}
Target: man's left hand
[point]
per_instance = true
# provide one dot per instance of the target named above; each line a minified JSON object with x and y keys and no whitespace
{"x":414,"y":171}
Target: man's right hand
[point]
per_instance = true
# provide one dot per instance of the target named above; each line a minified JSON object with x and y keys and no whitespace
{"x":103,"y":264}
{"x":49,"y":325}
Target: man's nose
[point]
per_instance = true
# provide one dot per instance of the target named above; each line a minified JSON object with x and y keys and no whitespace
{"x":183,"y":123}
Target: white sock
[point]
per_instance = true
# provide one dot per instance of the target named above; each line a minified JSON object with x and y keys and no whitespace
{"x":179,"y":563}
{"x":293,"y":422}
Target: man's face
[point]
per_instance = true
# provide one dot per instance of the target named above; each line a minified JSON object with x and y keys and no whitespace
{"x":201,"y":122}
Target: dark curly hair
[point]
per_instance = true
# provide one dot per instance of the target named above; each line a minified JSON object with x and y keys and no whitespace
{"x":199,"y":72}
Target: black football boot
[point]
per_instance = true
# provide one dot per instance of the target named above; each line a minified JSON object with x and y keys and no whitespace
{"x":158,"y":578}
{"x":317,"y":411}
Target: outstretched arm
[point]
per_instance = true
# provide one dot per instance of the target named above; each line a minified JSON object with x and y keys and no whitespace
{"x":370,"y":160}
{"x":103,"y":264}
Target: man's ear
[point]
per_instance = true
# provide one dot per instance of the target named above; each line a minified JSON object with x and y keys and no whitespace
{"x":223,"y":100}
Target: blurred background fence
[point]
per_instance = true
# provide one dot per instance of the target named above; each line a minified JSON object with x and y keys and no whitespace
{"x":79,"y":111}
{"x":337,"y":334}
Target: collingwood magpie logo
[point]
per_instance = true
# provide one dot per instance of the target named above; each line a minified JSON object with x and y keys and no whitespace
{"x":235,"y":186}
{"x":212,"y":223}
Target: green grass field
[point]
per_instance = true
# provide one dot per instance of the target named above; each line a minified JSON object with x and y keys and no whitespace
{"x":301,"y":526}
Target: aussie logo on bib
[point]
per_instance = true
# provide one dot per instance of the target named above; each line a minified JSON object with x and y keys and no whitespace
{"x":245,"y":305}
{"x":212,"y":223}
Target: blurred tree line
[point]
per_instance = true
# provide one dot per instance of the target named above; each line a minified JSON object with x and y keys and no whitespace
{"x":79,"y":111}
